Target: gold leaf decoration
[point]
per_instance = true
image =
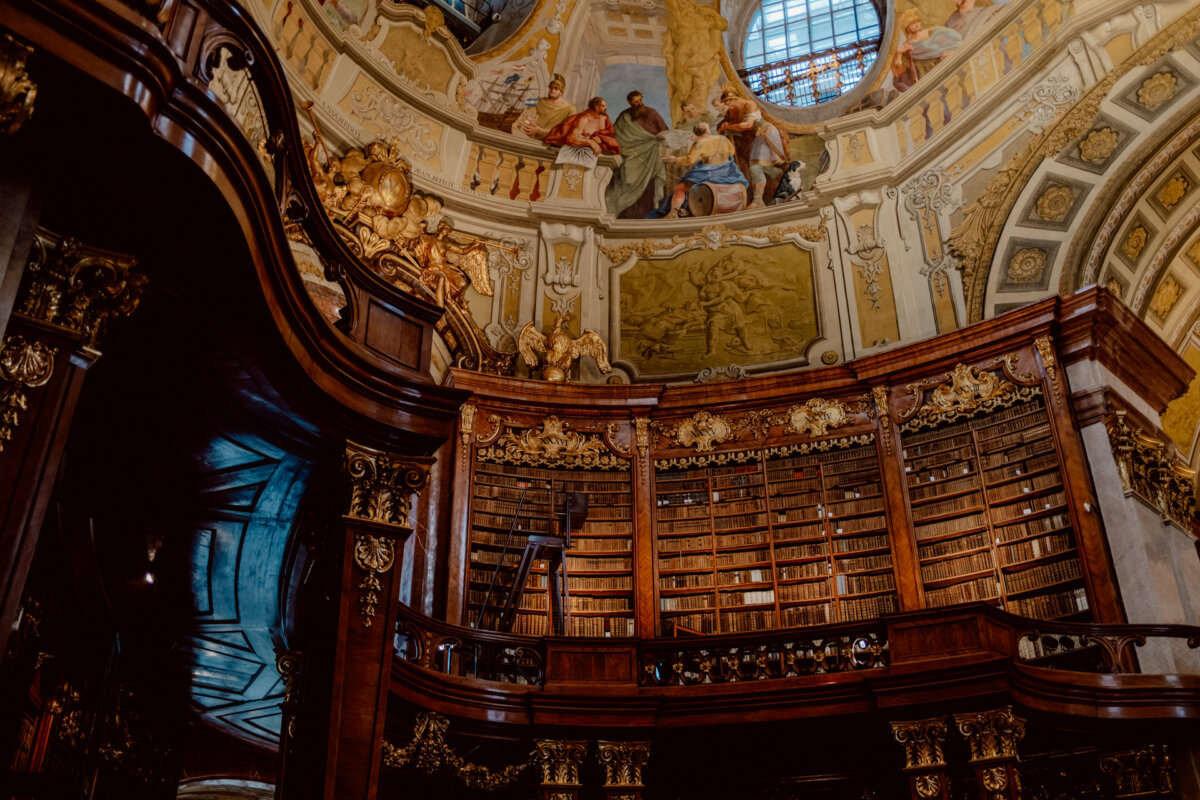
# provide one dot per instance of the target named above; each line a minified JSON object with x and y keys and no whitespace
{"x":1173,"y":191}
{"x":555,"y":444}
{"x":815,"y":417}
{"x":702,"y":431}
{"x":374,"y":555}
{"x":428,"y":752}
{"x":965,"y":392}
{"x":1147,"y":469}
{"x":1135,"y":241}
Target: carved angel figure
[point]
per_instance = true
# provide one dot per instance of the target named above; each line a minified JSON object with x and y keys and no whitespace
{"x":432,"y":252}
{"x":559,"y":350}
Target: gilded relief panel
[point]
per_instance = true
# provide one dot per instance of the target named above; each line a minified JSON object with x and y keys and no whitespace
{"x":716,"y":307}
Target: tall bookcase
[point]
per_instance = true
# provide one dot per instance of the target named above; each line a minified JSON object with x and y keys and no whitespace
{"x":990,"y":514}
{"x":779,"y":537}
{"x":599,"y":563}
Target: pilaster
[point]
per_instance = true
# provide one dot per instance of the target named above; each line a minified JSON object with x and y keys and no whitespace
{"x":924,"y":759}
{"x":623,"y":763}
{"x":560,"y":762}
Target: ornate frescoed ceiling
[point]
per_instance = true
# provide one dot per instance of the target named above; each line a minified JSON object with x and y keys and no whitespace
{"x":1048,"y":146}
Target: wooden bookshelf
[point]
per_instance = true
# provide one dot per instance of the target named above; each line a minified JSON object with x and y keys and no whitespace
{"x":782,"y":537}
{"x":599,"y":562}
{"x":990,"y":515}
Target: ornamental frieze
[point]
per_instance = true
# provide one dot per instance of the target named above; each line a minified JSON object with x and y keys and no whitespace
{"x":966,"y":391}
{"x":555,"y":444}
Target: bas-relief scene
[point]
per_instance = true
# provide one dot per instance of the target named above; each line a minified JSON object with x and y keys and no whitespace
{"x":711,"y":308}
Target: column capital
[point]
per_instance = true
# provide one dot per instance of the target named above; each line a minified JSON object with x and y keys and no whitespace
{"x":991,"y":735}
{"x":560,"y":761}
{"x":382,"y":485}
{"x":623,"y":763}
{"x":922,"y":740}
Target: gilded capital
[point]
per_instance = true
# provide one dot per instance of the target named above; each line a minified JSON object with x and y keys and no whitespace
{"x":991,"y":735}
{"x":1147,"y":771}
{"x":17,"y":89}
{"x":623,"y":762}
{"x":922,"y":740}
{"x":78,"y":287}
{"x":382,"y":485}
{"x":560,"y":761}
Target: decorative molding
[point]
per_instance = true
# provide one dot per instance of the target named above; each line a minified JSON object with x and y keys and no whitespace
{"x":868,"y":261}
{"x":623,"y":762}
{"x":1043,"y":101}
{"x":703,"y":430}
{"x":965,"y":392}
{"x":382,"y":485}
{"x":24,"y":365}
{"x":713,"y":236}
{"x":1148,"y":471}
{"x":991,"y":735}
{"x":641,"y":433}
{"x":923,"y":740}
{"x":560,"y":761}
{"x":731,"y":372}
{"x":815,"y":417}
{"x":1157,"y":90}
{"x":1045,"y":348}
{"x":555,"y":444}
{"x":881,"y":395}
{"x":745,"y":456}
{"x":78,"y":287}
{"x":17,"y":89}
{"x":375,"y":556}
{"x":428,"y":752}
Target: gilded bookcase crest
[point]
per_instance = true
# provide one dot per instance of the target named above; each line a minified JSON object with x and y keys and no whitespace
{"x":815,"y":417}
{"x":966,"y":391}
{"x":556,"y":444}
{"x":703,"y":431}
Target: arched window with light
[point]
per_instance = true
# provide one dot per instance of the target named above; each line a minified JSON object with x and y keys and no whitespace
{"x":803,"y":53}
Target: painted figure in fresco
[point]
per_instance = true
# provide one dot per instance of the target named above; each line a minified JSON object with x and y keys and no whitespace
{"x":540,"y":118}
{"x":761,"y":147}
{"x":711,"y":160}
{"x":638,"y":185}
{"x":582,"y":137}
{"x":921,"y":49}
{"x":968,"y":17}
{"x":692,"y":47}
{"x":690,"y":115}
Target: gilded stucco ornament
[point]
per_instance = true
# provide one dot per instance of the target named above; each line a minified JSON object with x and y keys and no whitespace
{"x":815,"y":417}
{"x":1165,"y":297}
{"x":554,"y":444}
{"x":1147,"y":469}
{"x":560,"y":760}
{"x":559,"y":351}
{"x":923,"y":740}
{"x":966,"y":391}
{"x":17,"y":89}
{"x":623,"y":762}
{"x":1045,"y":349}
{"x":290,"y":666}
{"x":713,"y":236}
{"x":1173,"y":191}
{"x":429,"y":753}
{"x":382,"y":485}
{"x":702,"y":431}
{"x":1135,"y":241}
{"x":881,"y":396}
{"x":466,"y":427}
{"x":1143,"y":772}
{"x":374,"y":555}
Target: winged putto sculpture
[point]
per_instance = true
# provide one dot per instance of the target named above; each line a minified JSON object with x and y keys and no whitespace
{"x":558,"y":350}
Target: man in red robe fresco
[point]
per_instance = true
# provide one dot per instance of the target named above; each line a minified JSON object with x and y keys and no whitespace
{"x":584,"y":136}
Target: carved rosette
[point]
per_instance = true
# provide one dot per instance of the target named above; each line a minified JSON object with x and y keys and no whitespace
{"x":1149,"y":471}
{"x":382,"y":485}
{"x":623,"y":762}
{"x":922,"y":740}
{"x":17,"y":89}
{"x":991,"y":735}
{"x":77,"y":287}
{"x":815,"y":417}
{"x":24,"y":365}
{"x":560,"y":761}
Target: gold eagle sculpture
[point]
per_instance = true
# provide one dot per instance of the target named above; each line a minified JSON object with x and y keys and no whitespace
{"x":558,"y":350}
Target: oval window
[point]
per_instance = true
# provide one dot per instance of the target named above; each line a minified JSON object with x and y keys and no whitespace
{"x":807,"y":52}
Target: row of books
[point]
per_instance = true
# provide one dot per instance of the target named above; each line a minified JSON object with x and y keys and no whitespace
{"x":739,"y":521}
{"x":953,"y":567}
{"x":682,"y":544}
{"x":666,"y":563}
{"x":742,"y":539}
{"x":797,"y":616}
{"x":1033,"y":527}
{"x":538,"y":625}
{"x":583,"y":602}
{"x":583,"y":478}
{"x":486,"y":494}
{"x":735,"y":480}
{"x":746,"y":492}
{"x":736,"y":506}
{"x":603,"y":526}
{"x":917,"y":445}
{"x":742,"y":557}
{"x":811,"y":590}
{"x":704,"y":623}
{"x":1022,"y":435}
{"x":686,"y":580}
{"x":1019,"y":468}
{"x":865,"y":563}
{"x":985,"y":588}
{"x":1035,"y":577}
{"x":947,"y":547}
{"x":867,"y":607}
{"x":685,"y":602}
{"x":801,"y":499}
{"x":584,"y":544}
{"x":862,"y":584}
{"x":923,"y":491}
{"x":950,"y":505}
{"x":1029,"y":449}
{"x":1007,"y":491}
{"x":685,"y":525}
{"x":505,"y":521}
{"x":860,"y":524}
{"x":751,"y":598}
{"x":790,"y":533}
{"x":585,"y":583}
{"x":787,"y":482}
{"x":755,"y":575}
{"x":858,"y":544}
{"x":738,"y":621}
{"x":577,"y":564}
{"x":811,"y":569}
{"x":933,"y":530}
{"x":1002,"y":514}
{"x":1048,"y":606}
{"x":941,"y":458}
{"x":1031,"y":549}
{"x":940,"y":472}
{"x":687,"y":511}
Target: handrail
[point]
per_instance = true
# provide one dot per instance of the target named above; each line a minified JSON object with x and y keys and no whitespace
{"x":872,"y":645}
